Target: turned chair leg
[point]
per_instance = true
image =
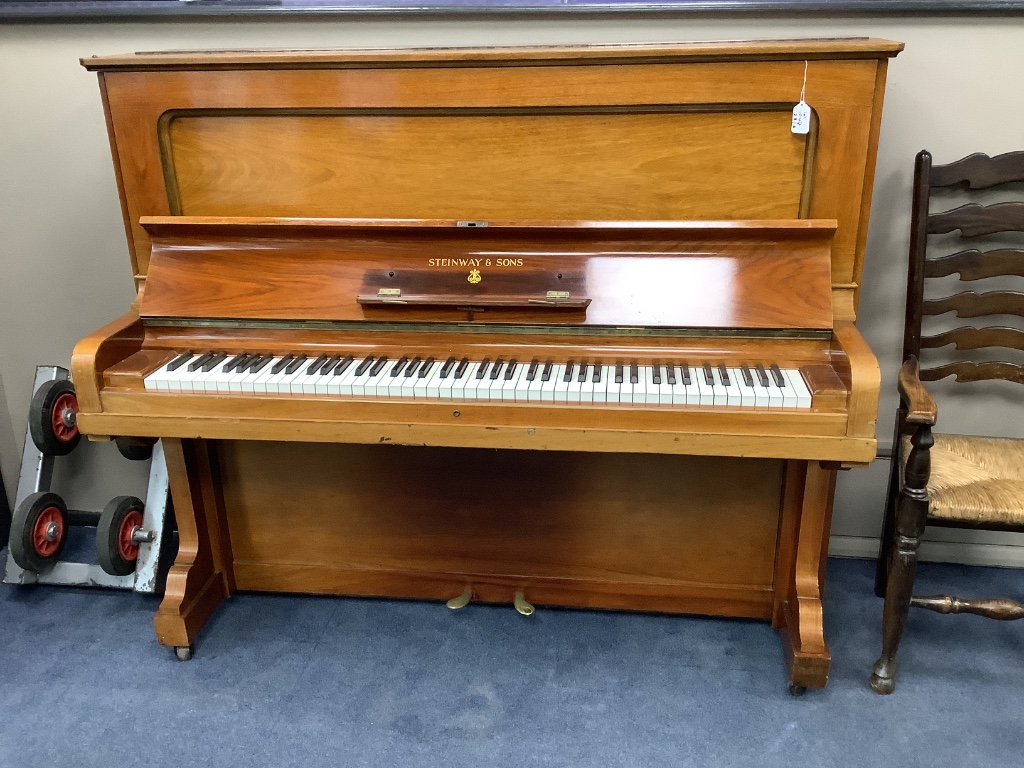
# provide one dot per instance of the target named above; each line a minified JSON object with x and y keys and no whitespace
{"x":911,"y":514}
{"x":892,"y":496}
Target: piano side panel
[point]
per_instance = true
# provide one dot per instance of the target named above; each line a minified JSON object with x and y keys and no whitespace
{"x":576,"y":529}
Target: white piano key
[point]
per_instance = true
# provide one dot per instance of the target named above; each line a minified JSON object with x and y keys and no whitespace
{"x":460,"y":385}
{"x":574,"y":393}
{"x":789,"y":398}
{"x":494,"y":381}
{"x":803,"y":394}
{"x":342,"y":385}
{"x":521,"y":392}
{"x":652,"y":391}
{"x":445,"y":385}
{"x":705,"y":391}
{"x":732,"y":390}
{"x":419,"y":391}
{"x":662,"y":392}
{"x":748,"y":397}
{"x":508,"y":385}
{"x":547,"y":388}
{"x":561,"y":393}
{"x":433,"y":385}
{"x":533,"y":390}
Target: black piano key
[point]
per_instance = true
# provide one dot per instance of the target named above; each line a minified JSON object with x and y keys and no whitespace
{"x":747,"y":378}
{"x":230,"y":364}
{"x":496,"y":370}
{"x":684,"y":370}
{"x":461,"y":370}
{"x":618,"y":373}
{"x":180,"y":360}
{"x":363,"y":366}
{"x":295,"y":364}
{"x":399,"y":365}
{"x":446,"y":369}
{"x":344,"y":365}
{"x":425,"y":368}
{"x":413,"y":365}
{"x":282,"y":363}
{"x":200,"y":361}
{"x":780,"y":380}
{"x":482,"y":370}
{"x":247,"y":362}
{"x":634,"y":373}
{"x":709,"y":375}
{"x":510,"y":370}
{"x":531,"y":372}
{"x":723,"y":373}
{"x":597,"y":372}
{"x":583,"y":371}
{"x":332,"y":361}
{"x":260,"y":363}
{"x":567,"y":376}
{"x":762,"y":376}
{"x":656,"y":372}
{"x":670,"y":373}
{"x":213,"y":362}
{"x":379,"y":365}
{"x":546,"y":372}
{"x":316,"y":365}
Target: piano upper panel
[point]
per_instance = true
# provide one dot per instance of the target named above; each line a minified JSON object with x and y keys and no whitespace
{"x":629,"y":132}
{"x":648,"y":275}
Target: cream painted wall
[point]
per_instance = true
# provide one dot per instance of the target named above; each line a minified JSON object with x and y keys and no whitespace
{"x":63,"y":259}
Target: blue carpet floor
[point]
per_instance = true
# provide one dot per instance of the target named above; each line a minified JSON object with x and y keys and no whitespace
{"x":305,"y":681}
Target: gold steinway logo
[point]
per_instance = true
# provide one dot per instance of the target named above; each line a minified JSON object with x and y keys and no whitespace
{"x":474,"y":276}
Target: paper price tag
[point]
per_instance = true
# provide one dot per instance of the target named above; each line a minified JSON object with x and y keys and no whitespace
{"x":801,"y":118}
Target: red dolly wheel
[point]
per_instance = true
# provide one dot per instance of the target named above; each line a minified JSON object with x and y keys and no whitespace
{"x":116,"y":547}
{"x":53,"y":418}
{"x":39,"y":531}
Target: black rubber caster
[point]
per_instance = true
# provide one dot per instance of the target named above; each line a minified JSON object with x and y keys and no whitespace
{"x":135,"y":448}
{"x":39,"y":531}
{"x":116,"y":549}
{"x":53,"y":418}
{"x":797,"y":690}
{"x":183,"y":652}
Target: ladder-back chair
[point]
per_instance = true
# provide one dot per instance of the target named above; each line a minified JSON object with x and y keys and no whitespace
{"x":959,"y":481}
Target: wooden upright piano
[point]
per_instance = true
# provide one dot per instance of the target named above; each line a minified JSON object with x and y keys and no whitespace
{"x":553,"y":326}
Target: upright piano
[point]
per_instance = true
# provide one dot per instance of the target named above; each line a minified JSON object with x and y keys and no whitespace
{"x":534,"y":326}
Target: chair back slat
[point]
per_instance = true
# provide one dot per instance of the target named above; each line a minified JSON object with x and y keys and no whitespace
{"x":976,"y":338}
{"x":971,"y":304}
{"x":974,"y":220}
{"x":965,"y":371}
{"x":979,"y":171}
{"x":977,"y":265}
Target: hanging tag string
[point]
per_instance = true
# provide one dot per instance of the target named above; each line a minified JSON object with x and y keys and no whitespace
{"x":803,"y":88}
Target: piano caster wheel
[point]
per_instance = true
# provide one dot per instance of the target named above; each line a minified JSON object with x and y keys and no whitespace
{"x":118,"y":535}
{"x":53,"y":418}
{"x":135,"y":448}
{"x":39,"y":531}
{"x":462,"y":600}
{"x":183,"y":652}
{"x":522,"y":606}
{"x":797,"y":690}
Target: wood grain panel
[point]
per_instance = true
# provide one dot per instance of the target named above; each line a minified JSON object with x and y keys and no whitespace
{"x":976,"y":338}
{"x":503,"y":517}
{"x":965,"y":371}
{"x":643,"y":275}
{"x":976,"y":265}
{"x":974,"y":220}
{"x":971,"y":304}
{"x":979,"y":171}
{"x":384,"y":165}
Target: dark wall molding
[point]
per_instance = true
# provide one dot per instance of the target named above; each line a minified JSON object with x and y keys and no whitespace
{"x":113,"y":10}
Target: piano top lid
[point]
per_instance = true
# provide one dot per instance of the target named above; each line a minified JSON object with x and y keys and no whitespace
{"x":537,"y":55}
{"x":736,"y":275}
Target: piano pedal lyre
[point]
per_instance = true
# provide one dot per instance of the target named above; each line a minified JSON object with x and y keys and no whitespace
{"x":523,"y":607}
{"x":462,"y":600}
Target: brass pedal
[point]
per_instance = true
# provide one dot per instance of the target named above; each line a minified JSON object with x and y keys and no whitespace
{"x":462,"y":600}
{"x":522,"y":606}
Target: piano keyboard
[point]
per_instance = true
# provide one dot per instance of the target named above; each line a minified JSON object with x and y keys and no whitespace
{"x":503,"y":380}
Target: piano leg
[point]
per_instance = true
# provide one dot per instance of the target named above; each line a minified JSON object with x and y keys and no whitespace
{"x":801,"y":570}
{"x":201,"y":577}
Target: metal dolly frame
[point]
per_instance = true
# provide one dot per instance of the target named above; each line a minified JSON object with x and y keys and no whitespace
{"x":36,"y":475}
